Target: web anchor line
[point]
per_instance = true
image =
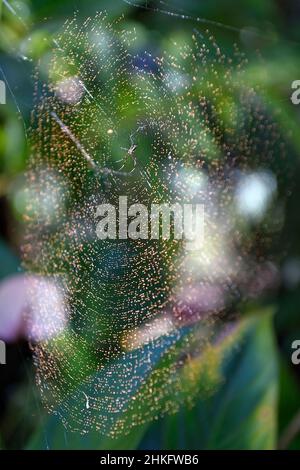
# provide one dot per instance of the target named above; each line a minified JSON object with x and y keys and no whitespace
{"x":200,"y":20}
{"x":90,"y":161}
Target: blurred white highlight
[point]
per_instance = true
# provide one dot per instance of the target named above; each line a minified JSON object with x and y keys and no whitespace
{"x":254,"y":194}
{"x":70,"y":90}
{"x":148,"y":332}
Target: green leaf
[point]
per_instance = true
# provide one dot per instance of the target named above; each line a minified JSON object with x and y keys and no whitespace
{"x":288,"y":406}
{"x":153,"y":369}
{"x":239,"y":412}
{"x":110,"y":383}
{"x":242,"y":413}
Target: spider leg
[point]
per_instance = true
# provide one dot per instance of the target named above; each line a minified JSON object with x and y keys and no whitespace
{"x":133,"y":159}
{"x":121,"y":160}
{"x":131,"y":139}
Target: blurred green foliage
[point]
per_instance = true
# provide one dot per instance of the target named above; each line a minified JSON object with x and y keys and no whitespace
{"x":259,"y":397}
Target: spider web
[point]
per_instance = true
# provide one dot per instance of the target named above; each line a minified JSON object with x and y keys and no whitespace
{"x":163,"y":129}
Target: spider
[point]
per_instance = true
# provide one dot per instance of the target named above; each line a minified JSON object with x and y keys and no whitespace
{"x":129,"y":153}
{"x":133,"y":146}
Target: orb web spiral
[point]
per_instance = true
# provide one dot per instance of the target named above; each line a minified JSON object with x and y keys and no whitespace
{"x":175,"y":129}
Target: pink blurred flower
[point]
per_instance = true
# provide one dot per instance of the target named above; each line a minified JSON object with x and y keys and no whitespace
{"x":198,"y":301}
{"x":31,"y":307}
